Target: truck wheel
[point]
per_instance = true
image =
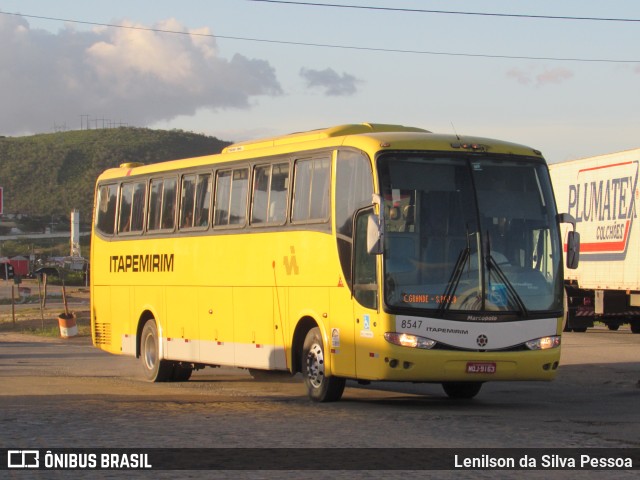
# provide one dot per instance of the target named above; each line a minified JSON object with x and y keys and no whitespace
{"x":613,"y":326}
{"x":321,"y":388}
{"x":155,"y":370}
{"x":635,"y":327}
{"x":461,"y":390}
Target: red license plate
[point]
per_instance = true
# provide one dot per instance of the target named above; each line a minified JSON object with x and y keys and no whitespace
{"x":481,"y":367}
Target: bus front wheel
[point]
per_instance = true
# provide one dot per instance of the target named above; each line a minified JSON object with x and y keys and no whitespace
{"x":463,"y":390}
{"x":155,"y":370}
{"x":321,"y":388}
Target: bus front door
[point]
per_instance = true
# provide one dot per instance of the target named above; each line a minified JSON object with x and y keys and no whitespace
{"x":365,"y":305}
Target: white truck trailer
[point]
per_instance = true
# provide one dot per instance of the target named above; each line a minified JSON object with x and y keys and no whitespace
{"x":602,"y":193}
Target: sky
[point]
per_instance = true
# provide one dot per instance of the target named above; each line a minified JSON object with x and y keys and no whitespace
{"x":242,"y":69}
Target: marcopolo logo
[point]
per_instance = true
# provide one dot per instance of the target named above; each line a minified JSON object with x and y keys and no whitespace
{"x":603,"y":202}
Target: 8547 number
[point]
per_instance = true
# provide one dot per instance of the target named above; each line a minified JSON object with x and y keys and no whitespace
{"x":411,"y":323}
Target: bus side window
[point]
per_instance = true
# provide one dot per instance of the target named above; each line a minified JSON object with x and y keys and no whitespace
{"x":162,"y":204}
{"x":155,"y":204}
{"x":131,"y":218}
{"x":354,"y":187}
{"x":106,"y":209}
{"x":270,"y":188}
{"x":124,"y":216}
{"x":261,"y":180}
{"x":223,"y":193}
{"x":365,"y":287}
{"x":202,"y":201}
{"x":187,"y":201}
{"x":311,"y":190}
{"x":278,"y":194}
{"x":232,"y":187}
{"x":169,"y":203}
{"x":137,"y":207}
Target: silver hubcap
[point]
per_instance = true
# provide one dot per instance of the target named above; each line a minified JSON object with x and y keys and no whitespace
{"x":150,"y":354}
{"x":315,"y":365}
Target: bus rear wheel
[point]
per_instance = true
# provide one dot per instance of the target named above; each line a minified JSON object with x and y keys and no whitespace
{"x":155,"y":370}
{"x":321,"y":388}
{"x":461,"y":390}
{"x":181,"y":373}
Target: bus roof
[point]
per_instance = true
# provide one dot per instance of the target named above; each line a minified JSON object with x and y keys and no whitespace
{"x":369,"y":137}
{"x":320,"y":134}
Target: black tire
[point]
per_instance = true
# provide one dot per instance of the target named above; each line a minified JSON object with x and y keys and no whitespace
{"x":181,"y":373}
{"x":579,"y":329}
{"x":461,"y":390}
{"x":613,"y":326}
{"x":321,"y":388}
{"x":155,"y":370}
{"x":635,"y":327}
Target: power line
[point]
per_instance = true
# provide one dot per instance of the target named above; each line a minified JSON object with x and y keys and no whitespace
{"x":329,"y":45}
{"x":451,"y":12}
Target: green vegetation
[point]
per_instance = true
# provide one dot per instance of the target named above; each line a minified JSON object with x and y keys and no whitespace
{"x":46,"y":176}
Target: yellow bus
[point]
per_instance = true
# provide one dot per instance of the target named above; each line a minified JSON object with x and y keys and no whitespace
{"x":365,"y":252}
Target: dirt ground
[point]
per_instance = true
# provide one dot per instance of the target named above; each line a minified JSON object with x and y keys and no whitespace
{"x":26,"y":315}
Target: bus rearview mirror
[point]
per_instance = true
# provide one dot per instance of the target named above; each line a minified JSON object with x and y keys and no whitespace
{"x":573,"y":250}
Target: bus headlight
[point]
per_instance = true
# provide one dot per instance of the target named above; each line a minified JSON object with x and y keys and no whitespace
{"x":408,"y":340}
{"x":543,"y":343}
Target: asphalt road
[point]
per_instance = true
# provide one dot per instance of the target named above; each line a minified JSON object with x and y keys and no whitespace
{"x":66,"y":394}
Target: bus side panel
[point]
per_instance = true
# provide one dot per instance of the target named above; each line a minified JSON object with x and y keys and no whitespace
{"x":101,"y":321}
{"x":120,"y":310}
{"x":149,"y":298}
{"x":254,"y":332}
{"x":181,"y":332}
{"x":280,"y":356}
{"x":215,"y":319}
{"x":341,"y":333}
{"x":312,"y":302}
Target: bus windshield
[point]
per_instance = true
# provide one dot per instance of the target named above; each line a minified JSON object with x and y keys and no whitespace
{"x":467,"y":234}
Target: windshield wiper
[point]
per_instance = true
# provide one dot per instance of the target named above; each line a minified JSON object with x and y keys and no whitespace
{"x":454,"y":280}
{"x":493,"y":265}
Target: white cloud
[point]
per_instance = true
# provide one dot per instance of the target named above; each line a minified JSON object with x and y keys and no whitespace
{"x":330,"y":81}
{"x":136,"y":76}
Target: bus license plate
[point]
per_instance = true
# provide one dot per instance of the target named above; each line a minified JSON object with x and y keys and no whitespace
{"x":481,"y":367}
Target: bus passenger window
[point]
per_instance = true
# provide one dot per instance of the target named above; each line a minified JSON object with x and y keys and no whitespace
{"x":231,"y":197}
{"x":155,"y":204}
{"x":261,"y":179}
{"x":202,"y":201}
{"x":162,"y":204}
{"x":278,"y":194}
{"x":239,"y":190}
{"x":106,"y":215}
{"x":125,"y":207}
{"x":223,"y":191}
{"x":169,"y":203}
{"x":131,"y":218}
{"x":311,"y":190}
{"x":270,"y":187}
{"x":137,"y":207}
{"x":187,"y":201}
